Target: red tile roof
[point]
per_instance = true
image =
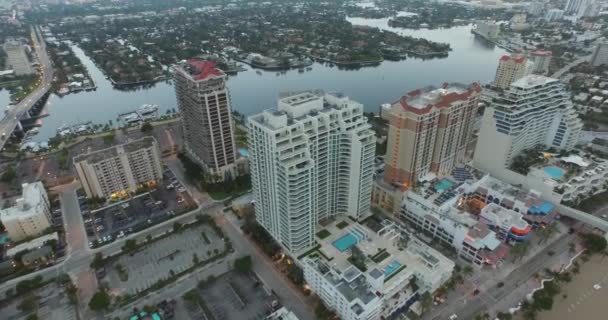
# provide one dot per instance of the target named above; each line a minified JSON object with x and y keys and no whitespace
{"x":444,"y":101}
{"x":542,"y":53}
{"x":201,"y":69}
{"x":516,"y":58}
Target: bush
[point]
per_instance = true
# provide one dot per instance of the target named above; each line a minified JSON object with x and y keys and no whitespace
{"x":243,"y":264}
{"x":594,"y":243}
{"x":100,"y":301}
{"x":323,"y":234}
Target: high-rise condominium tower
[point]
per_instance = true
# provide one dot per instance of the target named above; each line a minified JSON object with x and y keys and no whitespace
{"x":429,"y":131}
{"x":311,"y":159}
{"x":510,"y":68}
{"x":204,"y":103}
{"x":535,"y":110}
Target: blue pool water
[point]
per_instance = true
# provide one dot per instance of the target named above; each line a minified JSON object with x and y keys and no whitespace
{"x":444,"y":184}
{"x":392,"y":267}
{"x":345,"y":242}
{"x":244,"y":152}
{"x":554,"y":172}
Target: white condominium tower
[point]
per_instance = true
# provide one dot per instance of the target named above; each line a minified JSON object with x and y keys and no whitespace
{"x":535,"y":110}
{"x":204,"y":103}
{"x":311,"y":159}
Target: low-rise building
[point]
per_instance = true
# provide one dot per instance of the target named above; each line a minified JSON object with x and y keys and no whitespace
{"x":31,"y":214}
{"x":17,"y":59}
{"x":119,"y":170}
{"x":600,"y":144}
{"x":600,"y":54}
{"x":478,"y":218}
{"x":372,"y":271}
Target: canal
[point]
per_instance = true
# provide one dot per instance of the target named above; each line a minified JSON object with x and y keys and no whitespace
{"x":470,"y":60}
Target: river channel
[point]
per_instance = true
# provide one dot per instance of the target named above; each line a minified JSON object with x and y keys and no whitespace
{"x":470,"y":60}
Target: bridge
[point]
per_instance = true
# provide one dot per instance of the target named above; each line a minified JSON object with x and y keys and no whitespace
{"x":32,"y":104}
{"x":584,"y":217}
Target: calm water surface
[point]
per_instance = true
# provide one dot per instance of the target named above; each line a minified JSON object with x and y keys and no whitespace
{"x":470,"y":60}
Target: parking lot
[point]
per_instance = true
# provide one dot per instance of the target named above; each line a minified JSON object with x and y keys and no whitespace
{"x":158,"y":260}
{"x":53,"y":304}
{"x":142,"y":211}
{"x":234,"y":296}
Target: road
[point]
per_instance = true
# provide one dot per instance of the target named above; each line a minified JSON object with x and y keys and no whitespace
{"x":512,"y":282}
{"x":9,"y":122}
{"x":557,"y":74}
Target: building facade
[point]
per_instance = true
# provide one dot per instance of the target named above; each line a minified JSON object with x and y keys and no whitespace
{"x":204,"y":103}
{"x":535,"y":110}
{"x":311,"y":159}
{"x":117,"y":171}
{"x":600,"y":54}
{"x":541,"y":60}
{"x":17,"y":58}
{"x":510,"y":68}
{"x":31,"y":214}
{"x":429,"y":131}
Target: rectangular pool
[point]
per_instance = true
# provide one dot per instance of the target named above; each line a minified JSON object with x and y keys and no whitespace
{"x":345,"y":242}
{"x":392,"y":267}
{"x":444,"y":184}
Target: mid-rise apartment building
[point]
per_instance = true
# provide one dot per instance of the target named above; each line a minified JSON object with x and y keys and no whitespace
{"x":204,"y":103}
{"x":31,"y":214}
{"x":429,"y":131}
{"x":510,"y":68}
{"x":399,"y":269}
{"x":310,"y":160}
{"x":535,"y":110}
{"x":541,"y":60}
{"x":119,"y":170}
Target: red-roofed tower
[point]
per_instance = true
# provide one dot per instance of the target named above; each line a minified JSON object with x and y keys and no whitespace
{"x":510,"y":68}
{"x":204,"y":103}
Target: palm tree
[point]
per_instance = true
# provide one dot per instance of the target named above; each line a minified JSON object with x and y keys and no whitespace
{"x":467,"y":270}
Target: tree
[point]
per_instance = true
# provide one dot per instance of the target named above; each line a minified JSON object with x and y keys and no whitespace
{"x":146,"y":127}
{"x":8,"y":175}
{"x":100,"y":301}
{"x":243,"y":264}
{"x":467,"y":270}
{"x":32,"y":316}
{"x":594,"y":243}
{"x":195,"y":259}
{"x":28,"y":304}
{"x":130,"y":246}
{"x":426,"y":301}
{"x":98,"y":261}
{"x":295,"y":274}
{"x":177,"y":227}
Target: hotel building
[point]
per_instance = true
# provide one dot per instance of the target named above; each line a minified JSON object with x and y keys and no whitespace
{"x":535,"y":110}
{"x":310,"y":160}
{"x":429,"y":131}
{"x":31,"y":214}
{"x":204,"y":103}
{"x":120,"y":170}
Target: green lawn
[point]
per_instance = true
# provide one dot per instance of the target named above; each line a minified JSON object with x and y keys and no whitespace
{"x":323,"y":234}
{"x":342,"y":225}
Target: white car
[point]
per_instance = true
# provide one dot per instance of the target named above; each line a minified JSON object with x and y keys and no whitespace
{"x":453,"y":317}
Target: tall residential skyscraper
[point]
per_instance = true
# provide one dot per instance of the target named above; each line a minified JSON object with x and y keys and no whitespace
{"x":510,"y":68}
{"x":429,"y":131}
{"x":204,"y":103}
{"x":311,"y":159}
{"x":600,"y":54}
{"x":116,"y":171}
{"x":535,"y":110}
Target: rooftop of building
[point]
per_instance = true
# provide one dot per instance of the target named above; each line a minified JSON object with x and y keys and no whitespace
{"x":600,"y":141}
{"x":542,"y":53}
{"x":199,"y":69}
{"x":32,"y":244}
{"x":517,"y":58}
{"x":532,"y":80}
{"x":28,"y":204}
{"x":100,"y":155}
{"x":422,"y":100}
{"x":393,"y":255}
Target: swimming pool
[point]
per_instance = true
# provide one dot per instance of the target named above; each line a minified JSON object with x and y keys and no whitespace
{"x":345,"y":242}
{"x":444,"y":184}
{"x":554,"y":172}
{"x":392,"y":267}
{"x":244,"y":152}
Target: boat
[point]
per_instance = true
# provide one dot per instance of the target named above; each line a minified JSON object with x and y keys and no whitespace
{"x":301,"y":70}
{"x":308,"y":68}
{"x":132,"y":118}
{"x":259,"y":72}
{"x":147,"y":109}
{"x":34,"y":131}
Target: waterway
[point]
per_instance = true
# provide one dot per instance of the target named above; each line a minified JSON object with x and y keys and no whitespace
{"x":470,"y":60}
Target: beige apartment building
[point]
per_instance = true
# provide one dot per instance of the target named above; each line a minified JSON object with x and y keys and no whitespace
{"x":510,"y":68}
{"x":117,"y":171}
{"x":31,"y":214}
{"x":204,"y":103}
{"x":429,"y":132}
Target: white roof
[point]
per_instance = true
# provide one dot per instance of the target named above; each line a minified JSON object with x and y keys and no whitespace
{"x":577,"y":160}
